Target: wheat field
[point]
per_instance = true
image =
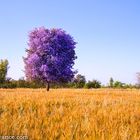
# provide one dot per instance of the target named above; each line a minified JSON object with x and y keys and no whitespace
{"x":70,"y":114}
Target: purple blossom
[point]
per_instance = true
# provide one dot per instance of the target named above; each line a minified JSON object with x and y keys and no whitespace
{"x":50,"y":56}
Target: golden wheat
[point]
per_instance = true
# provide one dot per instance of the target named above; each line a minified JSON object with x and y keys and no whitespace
{"x":70,"y":114}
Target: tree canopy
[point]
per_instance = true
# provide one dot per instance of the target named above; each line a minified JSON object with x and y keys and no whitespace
{"x":50,"y":56}
{"x":3,"y":70}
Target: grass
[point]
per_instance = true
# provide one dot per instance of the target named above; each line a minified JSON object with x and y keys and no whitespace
{"x":70,"y":114}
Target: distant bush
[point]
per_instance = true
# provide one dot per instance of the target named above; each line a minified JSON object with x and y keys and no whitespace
{"x":79,"y":81}
{"x":118,"y":84}
{"x":76,"y":83}
{"x":21,"y":83}
{"x":93,"y":84}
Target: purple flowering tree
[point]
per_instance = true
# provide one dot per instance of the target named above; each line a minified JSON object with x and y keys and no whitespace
{"x":50,"y":56}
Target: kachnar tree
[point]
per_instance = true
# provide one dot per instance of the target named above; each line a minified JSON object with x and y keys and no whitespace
{"x":50,"y":56}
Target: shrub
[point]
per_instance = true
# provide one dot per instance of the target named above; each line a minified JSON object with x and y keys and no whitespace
{"x":93,"y":84}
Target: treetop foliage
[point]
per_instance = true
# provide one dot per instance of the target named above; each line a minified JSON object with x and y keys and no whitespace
{"x":3,"y":70}
{"x":50,"y":56}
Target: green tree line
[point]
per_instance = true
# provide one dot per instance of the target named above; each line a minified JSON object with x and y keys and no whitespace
{"x":79,"y":81}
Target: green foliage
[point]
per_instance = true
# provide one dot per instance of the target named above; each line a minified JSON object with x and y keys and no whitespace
{"x":130,"y":86}
{"x":93,"y":84}
{"x":111,"y":82}
{"x":118,"y":84}
{"x":79,"y":81}
{"x":3,"y":70}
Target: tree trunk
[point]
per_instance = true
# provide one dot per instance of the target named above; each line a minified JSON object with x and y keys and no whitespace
{"x":48,"y":86}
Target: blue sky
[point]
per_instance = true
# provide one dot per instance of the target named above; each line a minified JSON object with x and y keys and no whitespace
{"x":107,"y":32}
